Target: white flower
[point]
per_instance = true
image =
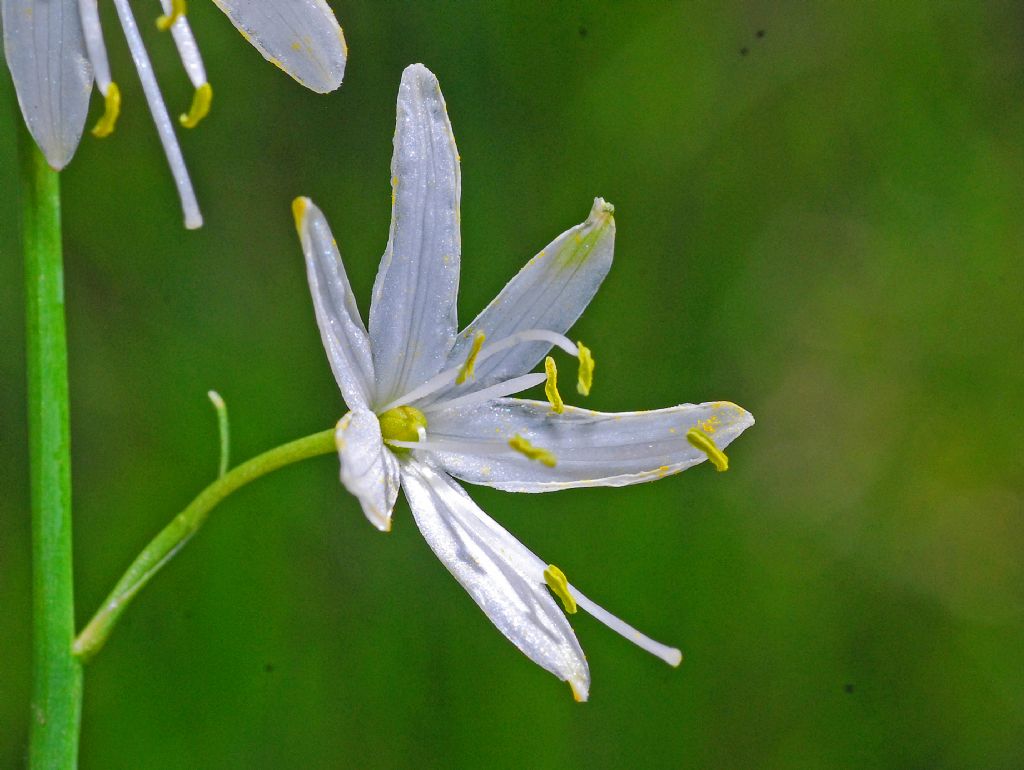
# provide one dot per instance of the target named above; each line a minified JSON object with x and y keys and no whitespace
{"x":55,"y":51}
{"x":428,"y":403}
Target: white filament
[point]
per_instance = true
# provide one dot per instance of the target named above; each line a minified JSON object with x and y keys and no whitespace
{"x":188,"y":50}
{"x":164,"y":127}
{"x":500,"y":390}
{"x":94,"y":45}
{"x":670,"y":655}
{"x":448,"y":376}
{"x":475,"y":448}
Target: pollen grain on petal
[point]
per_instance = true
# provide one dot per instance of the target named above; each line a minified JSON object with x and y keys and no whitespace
{"x":702,"y":441}
{"x":524,"y":447}
{"x":466,"y":371}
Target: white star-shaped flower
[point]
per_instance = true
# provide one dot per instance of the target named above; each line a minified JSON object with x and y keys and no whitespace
{"x":55,"y":51}
{"x":429,"y":403}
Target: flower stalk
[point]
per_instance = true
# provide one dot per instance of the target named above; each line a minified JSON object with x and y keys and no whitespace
{"x":182,"y":527}
{"x":56,"y":674}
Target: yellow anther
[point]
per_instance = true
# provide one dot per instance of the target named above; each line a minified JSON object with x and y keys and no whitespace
{"x":586,"y":373}
{"x":705,"y":444}
{"x":523,"y":446}
{"x":111,"y":109}
{"x":559,"y":586}
{"x":467,"y":368}
{"x":200,"y":106}
{"x":178,"y":9}
{"x":551,"y":386}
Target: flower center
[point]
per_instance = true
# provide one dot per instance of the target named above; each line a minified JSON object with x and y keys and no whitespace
{"x":402,"y":423}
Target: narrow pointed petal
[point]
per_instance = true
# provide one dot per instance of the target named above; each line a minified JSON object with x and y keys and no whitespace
{"x":302,"y":37}
{"x":369,"y":470}
{"x":341,"y":328}
{"x":550,"y":292}
{"x":504,"y":577}
{"x":591,"y":449}
{"x":45,"y":50}
{"x":413,"y":315}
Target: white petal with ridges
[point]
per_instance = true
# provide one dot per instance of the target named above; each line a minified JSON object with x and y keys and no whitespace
{"x":504,"y":577}
{"x":45,"y":51}
{"x":302,"y":37}
{"x":413,"y":314}
{"x":590,"y":448}
{"x":550,"y":292}
{"x":341,"y":327}
{"x":369,"y":470}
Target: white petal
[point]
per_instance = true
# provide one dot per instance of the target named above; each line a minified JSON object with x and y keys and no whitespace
{"x":504,"y":578}
{"x":550,"y":292}
{"x":302,"y":37}
{"x":369,"y":470}
{"x":591,"y":448}
{"x":412,"y":318}
{"x":341,"y":328}
{"x":45,"y":51}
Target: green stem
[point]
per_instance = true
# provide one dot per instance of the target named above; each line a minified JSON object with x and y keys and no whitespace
{"x":56,"y":674}
{"x":172,"y":537}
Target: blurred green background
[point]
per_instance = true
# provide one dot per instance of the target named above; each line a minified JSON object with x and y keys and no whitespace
{"x":822,"y":223}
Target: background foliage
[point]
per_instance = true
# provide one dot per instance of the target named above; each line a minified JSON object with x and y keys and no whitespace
{"x":822,"y":223}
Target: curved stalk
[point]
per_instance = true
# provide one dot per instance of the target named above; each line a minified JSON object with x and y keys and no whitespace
{"x":182,"y":527}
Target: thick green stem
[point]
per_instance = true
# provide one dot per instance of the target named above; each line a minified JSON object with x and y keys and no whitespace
{"x":183,"y":526}
{"x":56,"y":673}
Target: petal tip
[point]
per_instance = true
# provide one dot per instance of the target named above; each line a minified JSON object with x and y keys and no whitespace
{"x":580,"y":691}
{"x":419,"y":76}
{"x":299,"y":207}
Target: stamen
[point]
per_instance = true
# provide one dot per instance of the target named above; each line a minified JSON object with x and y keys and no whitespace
{"x":702,"y":441}
{"x":89,"y":13}
{"x":586,"y":371}
{"x":559,"y":586}
{"x":449,"y":446}
{"x":164,"y":128}
{"x":188,"y":50}
{"x":93,"y":33}
{"x":178,"y":10}
{"x":111,"y":109}
{"x":670,"y":655}
{"x":467,"y":368}
{"x":449,"y":376}
{"x":543,"y":456}
{"x":502,"y":389}
{"x":551,"y":388}
{"x":200,"y":106}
